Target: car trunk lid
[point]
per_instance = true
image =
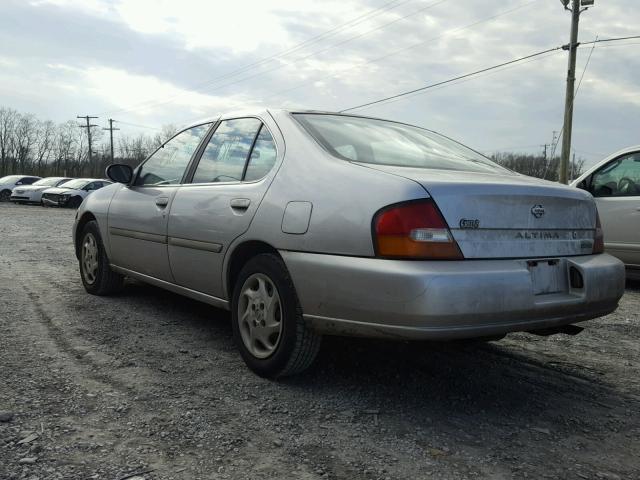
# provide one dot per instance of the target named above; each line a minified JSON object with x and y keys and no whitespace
{"x":508,"y":215}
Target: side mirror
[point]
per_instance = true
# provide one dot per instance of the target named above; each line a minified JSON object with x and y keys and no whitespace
{"x":18,"y":183}
{"x":120,"y":173}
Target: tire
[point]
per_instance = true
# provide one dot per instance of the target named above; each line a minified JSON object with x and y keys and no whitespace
{"x":5,"y":195}
{"x":74,"y":202}
{"x":296,"y":346}
{"x":95,"y":272}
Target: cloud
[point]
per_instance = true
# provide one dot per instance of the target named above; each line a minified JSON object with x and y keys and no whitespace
{"x":172,"y":60}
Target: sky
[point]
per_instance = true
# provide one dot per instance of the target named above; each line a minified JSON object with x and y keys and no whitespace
{"x":148,"y":63}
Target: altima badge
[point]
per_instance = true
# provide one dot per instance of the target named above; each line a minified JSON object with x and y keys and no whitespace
{"x":537,"y":211}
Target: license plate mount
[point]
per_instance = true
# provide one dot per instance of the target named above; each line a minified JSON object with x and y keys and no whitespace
{"x":548,"y":276}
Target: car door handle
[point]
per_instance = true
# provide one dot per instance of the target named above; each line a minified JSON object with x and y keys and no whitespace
{"x":240,"y":203}
{"x":162,"y":201}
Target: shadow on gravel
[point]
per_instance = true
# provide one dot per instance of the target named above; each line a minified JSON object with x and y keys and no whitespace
{"x":455,"y":380}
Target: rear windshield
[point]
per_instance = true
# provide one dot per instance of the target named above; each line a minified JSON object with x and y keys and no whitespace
{"x":388,"y":143}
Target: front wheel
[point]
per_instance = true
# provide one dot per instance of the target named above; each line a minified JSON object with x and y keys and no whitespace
{"x":5,"y":195}
{"x":268,"y":327}
{"x":97,"y":276}
{"x":74,"y":202}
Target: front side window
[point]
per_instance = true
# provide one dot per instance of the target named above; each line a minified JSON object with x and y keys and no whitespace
{"x":225,"y":156}
{"x":388,"y":143}
{"x":263,"y":156}
{"x":619,"y":178}
{"x":29,"y":180}
{"x":168,"y":164}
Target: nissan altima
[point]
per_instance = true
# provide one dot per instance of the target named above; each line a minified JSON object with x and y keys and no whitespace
{"x":308,"y":223}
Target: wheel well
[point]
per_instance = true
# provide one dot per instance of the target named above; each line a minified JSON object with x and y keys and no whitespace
{"x":86,"y":218}
{"x":240,"y":256}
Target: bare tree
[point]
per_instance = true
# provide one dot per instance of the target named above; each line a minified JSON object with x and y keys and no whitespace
{"x":7,"y":126}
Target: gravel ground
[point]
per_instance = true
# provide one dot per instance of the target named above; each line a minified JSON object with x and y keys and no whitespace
{"x":149,"y":383}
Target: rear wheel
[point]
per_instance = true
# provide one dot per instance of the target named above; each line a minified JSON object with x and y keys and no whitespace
{"x":268,"y":327}
{"x":5,"y":195}
{"x":97,"y":276}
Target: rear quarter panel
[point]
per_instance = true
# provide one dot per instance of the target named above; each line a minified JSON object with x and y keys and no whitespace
{"x":344,"y":198}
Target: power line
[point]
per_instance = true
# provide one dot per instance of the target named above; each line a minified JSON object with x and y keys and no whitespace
{"x":469,"y":79}
{"x":459,"y":77}
{"x":310,"y":55}
{"x":477,"y":72}
{"x":313,"y":40}
{"x":137,"y":125}
{"x":409,"y":47}
{"x":375,"y":60}
{"x":575,"y":94}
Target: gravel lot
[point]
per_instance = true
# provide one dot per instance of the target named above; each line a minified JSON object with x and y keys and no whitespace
{"x":149,"y":382}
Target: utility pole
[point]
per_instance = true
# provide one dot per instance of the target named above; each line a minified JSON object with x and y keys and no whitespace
{"x":575,"y":9}
{"x":88,"y":127}
{"x":111,"y":129}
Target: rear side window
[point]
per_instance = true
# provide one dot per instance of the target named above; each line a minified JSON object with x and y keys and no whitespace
{"x":225,"y":156}
{"x":263,"y":156}
{"x":382,"y":142}
{"x":168,"y":164}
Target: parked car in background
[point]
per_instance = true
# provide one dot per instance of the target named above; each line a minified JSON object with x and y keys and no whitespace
{"x":8,"y":183}
{"x":615,"y":184}
{"x":360,"y":227}
{"x":72,"y":193}
{"x":33,"y":193}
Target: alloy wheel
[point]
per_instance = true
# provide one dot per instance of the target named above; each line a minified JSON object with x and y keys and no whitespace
{"x":90,"y":258}
{"x":260,"y":315}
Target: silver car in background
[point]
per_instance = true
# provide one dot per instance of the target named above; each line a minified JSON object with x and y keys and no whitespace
{"x":33,"y":193}
{"x":615,"y":184}
{"x":8,"y":183}
{"x":72,"y":193}
{"x":310,"y":223}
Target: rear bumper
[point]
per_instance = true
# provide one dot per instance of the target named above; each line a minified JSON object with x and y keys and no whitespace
{"x":446,"y":299}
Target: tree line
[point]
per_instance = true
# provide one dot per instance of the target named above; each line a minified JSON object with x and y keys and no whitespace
{"x":31,"y":146}
{"x":539,"y":166}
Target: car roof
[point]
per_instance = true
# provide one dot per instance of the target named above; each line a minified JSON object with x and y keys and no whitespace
{"x":263,"y":111}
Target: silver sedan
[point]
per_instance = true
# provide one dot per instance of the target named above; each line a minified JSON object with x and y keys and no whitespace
{"x":310,"y":223}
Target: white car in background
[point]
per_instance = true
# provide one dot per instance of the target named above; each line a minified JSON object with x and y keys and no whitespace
{"x":615,"y":184}
{"x":72,"y":193}
{"x":8,"y":183}
{"x":33,"y":193}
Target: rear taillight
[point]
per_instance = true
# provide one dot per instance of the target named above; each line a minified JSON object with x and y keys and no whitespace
{"x":598,"y":241}
{"x":414,"y":230}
